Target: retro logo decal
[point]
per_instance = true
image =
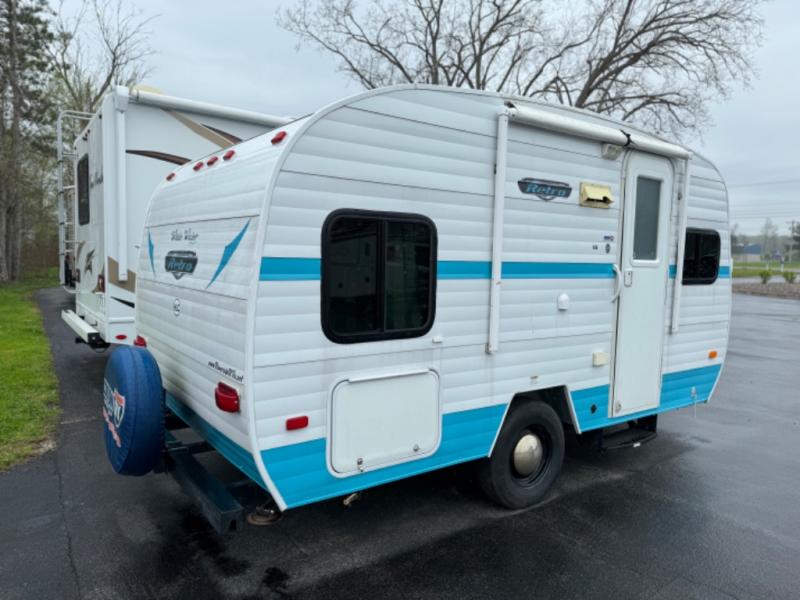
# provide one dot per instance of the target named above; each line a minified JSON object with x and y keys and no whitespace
{"x":113,"y":411}
{"x":180,"y":262}
{"x":544,"y":189}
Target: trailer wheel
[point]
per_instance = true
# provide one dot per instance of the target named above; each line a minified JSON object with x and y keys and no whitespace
{"x":133,"y":411}
{"x":527,"y":456}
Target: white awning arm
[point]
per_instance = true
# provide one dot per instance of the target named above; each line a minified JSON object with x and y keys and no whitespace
{"x":683,"y":204}
{"x":497,"y":228}
{"x":121,"y":200}
{"x":173,"y":103}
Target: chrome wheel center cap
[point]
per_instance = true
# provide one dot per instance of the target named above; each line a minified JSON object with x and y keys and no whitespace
{"x":528,"y":455}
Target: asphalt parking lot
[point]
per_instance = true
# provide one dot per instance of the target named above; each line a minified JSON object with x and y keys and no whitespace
{"x":710,"y":509}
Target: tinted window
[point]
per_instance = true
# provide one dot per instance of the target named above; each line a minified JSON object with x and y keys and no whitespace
{"x":645,"y":234}
{"x":378,"y":276}
{"x":83,"y":190}
{"x":701,"y":258}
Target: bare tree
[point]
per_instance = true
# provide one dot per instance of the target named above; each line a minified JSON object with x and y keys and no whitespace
{"x":656,"y":62}
{"x":105,"y":44}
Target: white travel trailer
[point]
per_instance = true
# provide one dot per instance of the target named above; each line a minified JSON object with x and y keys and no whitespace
{"x":420,"y":276}
{"x":126,"y":148}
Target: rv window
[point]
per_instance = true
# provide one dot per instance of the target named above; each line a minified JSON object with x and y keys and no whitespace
{"x":378,"y":276}
{"x":701,"y":259}
{"x":83,"y":190}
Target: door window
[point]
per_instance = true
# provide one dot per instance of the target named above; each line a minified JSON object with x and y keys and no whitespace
{"x":645,"y":227}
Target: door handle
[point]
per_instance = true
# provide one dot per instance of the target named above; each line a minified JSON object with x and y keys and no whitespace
{"x":617,"y":282}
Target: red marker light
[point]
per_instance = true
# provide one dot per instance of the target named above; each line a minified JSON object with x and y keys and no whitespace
{"x":121,"y":336}
{"x":228,"y":155}
{"x":140,"y":341}
{"x":197,"y":166}
{"x":278,"y":138}
{"x":296,"y":423}
{"x":227,"y":398}
{"x":212,"y":160}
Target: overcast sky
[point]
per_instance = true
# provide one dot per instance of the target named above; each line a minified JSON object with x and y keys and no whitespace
{"x":234,"y":54}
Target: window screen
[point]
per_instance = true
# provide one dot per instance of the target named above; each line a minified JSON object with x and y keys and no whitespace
{"x":83,"y":190}
{"x":701,"y":258}
{"x":378,"y":275}
{"x":645,"y":233}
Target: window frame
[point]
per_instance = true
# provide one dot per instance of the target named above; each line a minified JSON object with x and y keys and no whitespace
{"x":701,"y":280}
{"x":84,"y":217}
{"x":325,"y":266}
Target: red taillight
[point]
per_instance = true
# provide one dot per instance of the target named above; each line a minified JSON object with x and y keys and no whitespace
{"x":278,"y":137}
{"x":198,"y":165}
{"x":101,"y":284}
{"x":140,"y":341}
{"x":227,"y":398}
{"x":212,"y":160}
{"x":296,"y":423}
{"x":171,"y":176}
{"x":121,"y":336}
{"x":228,"y":155}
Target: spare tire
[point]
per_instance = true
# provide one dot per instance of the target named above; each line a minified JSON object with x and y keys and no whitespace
{"x":133,"y":411}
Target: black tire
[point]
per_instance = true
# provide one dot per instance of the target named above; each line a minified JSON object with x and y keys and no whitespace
{"x":497,"y":474}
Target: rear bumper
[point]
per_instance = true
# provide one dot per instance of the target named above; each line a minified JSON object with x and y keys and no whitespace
{"x":82,"y":329}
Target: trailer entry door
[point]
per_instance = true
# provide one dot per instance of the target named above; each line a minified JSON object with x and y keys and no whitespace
{"x":644,"y":271}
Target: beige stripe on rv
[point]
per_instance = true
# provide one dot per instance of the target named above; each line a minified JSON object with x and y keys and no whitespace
{"x":201,"y":130}
{"x":113,"y":276}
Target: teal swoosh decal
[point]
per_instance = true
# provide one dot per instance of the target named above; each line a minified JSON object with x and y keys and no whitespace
{"x":150,"y":247}
{"x":228,"y":253}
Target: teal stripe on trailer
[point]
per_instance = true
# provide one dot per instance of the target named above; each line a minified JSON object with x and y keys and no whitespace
{"x":676,"y":392}
{"x":464,"y":269}
{"x":557,"y":270}
{"x":308,"y":269}
{"x":275,"y":268}
{"x":236,"y":455}
{"x":300,"y":471}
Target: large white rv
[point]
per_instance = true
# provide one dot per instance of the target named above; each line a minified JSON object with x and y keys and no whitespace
{"x":420,"y":276}
{"x":134,"y":140}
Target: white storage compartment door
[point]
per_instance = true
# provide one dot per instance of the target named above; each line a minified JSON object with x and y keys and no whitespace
{"x":384,"y":420}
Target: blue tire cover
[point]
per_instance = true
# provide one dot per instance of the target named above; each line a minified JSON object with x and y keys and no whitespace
{"x":133,"y":411}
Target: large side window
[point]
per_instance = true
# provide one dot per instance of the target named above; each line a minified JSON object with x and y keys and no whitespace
{"x":701,"y":260}
{"x":83,"y":190}
{"x":378,"y":275}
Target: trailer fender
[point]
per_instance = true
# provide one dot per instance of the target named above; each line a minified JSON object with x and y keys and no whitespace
{"x":133,"y":411}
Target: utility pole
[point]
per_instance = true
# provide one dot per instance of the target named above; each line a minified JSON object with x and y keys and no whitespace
{"x":791,"y":239}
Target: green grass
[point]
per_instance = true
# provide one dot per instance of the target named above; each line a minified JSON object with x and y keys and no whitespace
{"x":28,"y":387}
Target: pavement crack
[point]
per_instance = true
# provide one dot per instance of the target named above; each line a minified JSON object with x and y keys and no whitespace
{"x":62,"y":508}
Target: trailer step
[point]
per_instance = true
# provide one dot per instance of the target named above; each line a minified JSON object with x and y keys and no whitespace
{"x":633,"y":435}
